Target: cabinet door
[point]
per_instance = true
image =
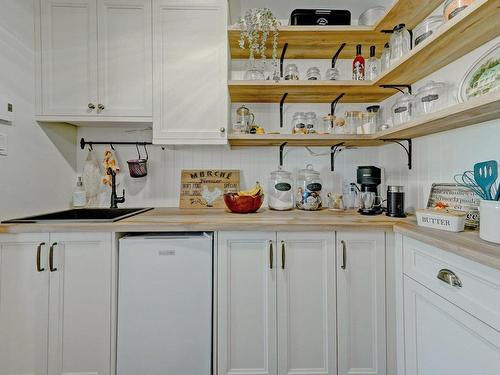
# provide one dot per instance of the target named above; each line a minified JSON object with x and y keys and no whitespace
{"x":247,"y":303}
{"x":190,"y":72}
{"x":125,"y":57}
{"x":80,"y":304}
{"x":361,"y":303}
{"x":442,"y":339}
{"x":24,"y":292}
{"x":306,"y":303}
{"x":69,"y":57}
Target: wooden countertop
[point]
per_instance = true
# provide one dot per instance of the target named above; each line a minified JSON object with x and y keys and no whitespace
{"x":466,"y":244}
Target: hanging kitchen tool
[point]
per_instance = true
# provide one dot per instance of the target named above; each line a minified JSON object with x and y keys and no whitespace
{"x":467,"y":180}
{"x":486,"y":174}
{"x":138,"y":168}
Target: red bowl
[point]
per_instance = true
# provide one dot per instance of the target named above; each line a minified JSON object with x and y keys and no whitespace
{"x":243,"y":204}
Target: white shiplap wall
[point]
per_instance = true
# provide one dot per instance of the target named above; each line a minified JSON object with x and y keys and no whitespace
{"x":436,"y":158}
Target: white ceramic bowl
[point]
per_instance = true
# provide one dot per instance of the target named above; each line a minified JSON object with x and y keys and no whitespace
{"x":489,"y":225}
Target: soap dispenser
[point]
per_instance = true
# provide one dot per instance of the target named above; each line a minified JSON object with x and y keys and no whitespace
{"x":79,"y":194}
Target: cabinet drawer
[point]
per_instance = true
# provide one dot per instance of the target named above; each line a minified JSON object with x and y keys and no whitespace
{"x":476,"y":287}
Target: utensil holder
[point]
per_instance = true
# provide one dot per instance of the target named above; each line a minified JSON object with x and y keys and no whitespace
{"x":489,"y":225}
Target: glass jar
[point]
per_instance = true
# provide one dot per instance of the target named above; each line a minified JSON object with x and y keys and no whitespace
{"x":332,"y":74}
{"x":255,"y":72}
{"x":309,"y":186}
{"x":244,"y":120}
{"x":402,"y":110}
{"x":353,"y":119}
{"x":311,"y":123}
{"x":432,"y":97}
{"x":400,"y":43}
{"x":453,"y":7}
{"x":291,"y":72}
{"x":313,"y":74}
{"x":385,"y":58}
{"x":370,"y":120}
{"x":280,"y":190}
{"x":299,"y":123}
{"x":426,"y":29}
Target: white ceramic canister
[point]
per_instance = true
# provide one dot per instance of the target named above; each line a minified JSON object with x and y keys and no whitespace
{"x":489,"y":225}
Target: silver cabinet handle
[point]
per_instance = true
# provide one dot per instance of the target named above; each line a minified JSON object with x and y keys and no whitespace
{"x":100,"y":107}
{"x":449,"y":277}
{"x":38,"y":257}
{"x":91,"y":106}
{"x":222,"y":130}
{"x":344,"y":255}
{"x":51,"y":257}
{"x":283,"y":255}
{"x":271,"y":255}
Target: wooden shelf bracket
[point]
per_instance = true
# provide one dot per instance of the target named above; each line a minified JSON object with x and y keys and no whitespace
{"x":408,"y":150}
{"x":335,"y":149}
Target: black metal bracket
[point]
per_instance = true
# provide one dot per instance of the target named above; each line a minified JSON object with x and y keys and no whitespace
{"x":84,"y":143}
{"x":334,"y":150}
{"x":282,"y":58}
{"x":282,"y":149}
{"x":409,"y":149}
{"x":336,"y":56}
{"x":398,"y":87}
{"x":335,"y":102}
{"x":282,"y":102}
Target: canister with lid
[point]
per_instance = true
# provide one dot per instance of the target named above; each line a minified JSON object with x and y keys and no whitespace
{"x":309,"y":186}
{"x":280,"y":190}
{"x":426,"y":29}
{"x":299,"y":123}
{"x":432,"y":97}
{"x":402,"y":110}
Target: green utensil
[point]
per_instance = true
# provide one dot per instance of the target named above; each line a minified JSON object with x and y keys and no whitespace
{"x":486,"y":174}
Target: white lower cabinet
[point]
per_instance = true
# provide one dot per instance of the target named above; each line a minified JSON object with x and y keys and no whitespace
{"x":361,"y":298}
{"x":279,"y":296}
{"x":55,"y":313}
{"x":442,"y":339}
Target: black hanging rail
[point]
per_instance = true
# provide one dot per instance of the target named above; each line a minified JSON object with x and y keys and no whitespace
{"x":282,"y":58}
{"x":336,"y":56}
{"x":398,"y":87}
{"x":84,"y":143}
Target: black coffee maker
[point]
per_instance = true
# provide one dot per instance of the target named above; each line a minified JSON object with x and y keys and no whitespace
{"x":369,"y":177}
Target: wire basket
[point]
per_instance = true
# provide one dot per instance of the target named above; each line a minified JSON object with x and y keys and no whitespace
{"x":138,"y":168}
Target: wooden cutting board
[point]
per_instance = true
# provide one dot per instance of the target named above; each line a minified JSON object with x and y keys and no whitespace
{"x":204,"y":188}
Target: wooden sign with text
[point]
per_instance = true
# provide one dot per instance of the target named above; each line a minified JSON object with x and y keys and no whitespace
{"x":205,"y":188}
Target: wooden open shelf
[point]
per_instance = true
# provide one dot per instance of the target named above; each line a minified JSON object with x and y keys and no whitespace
{"x":306,"y":91}
{"x":473,"y":27}
{"x":321,"y":42}
{"x":474,"y":111}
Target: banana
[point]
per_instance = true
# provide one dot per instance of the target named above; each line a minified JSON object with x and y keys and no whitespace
{"x":253,"y":192}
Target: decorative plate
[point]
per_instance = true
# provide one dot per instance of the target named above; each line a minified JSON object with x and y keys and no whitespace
{"x":483,"y":77}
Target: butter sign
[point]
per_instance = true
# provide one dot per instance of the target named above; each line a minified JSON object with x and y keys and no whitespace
{"x":205,"y":188}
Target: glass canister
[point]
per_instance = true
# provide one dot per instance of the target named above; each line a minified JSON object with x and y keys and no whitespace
{"x":280,"y":190}
{"x":426,"y":29}
{"x":332,"y":74}
{"x":385,"y":58}
{"x":291,"y":72}
{"x":453,"y":7}
{"x":299,"y":123}
{"x":371,"y":120}
{"x":400,"y":42}
{"x":432,"y":97}
{"x":311,"y":123}
{"x":244,"y":120}
{"x":353,"y":120}
{"x":402,"y":110}
{"x":313,"y":74}
{"x":309,"y":186}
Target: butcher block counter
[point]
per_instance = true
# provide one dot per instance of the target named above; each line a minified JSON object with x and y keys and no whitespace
{"x":467,"y":244}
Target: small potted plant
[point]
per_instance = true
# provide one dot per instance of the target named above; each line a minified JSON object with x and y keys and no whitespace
{"x":256,"y":27}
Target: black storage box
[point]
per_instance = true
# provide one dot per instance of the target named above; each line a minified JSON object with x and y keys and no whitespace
{"x":320,"y":17}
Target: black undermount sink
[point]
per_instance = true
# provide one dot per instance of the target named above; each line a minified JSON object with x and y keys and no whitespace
{"x":83,"y":215}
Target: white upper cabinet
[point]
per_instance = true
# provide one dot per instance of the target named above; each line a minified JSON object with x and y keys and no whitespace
{"x":247,"y":303}
{"x":68,"y":57}
{"x":24,"y":299}
{"x":96,"y":58}
{"x":190,"y":72}
{"x":306,"y":304}
{"x":361,"y":303}
{"x":125,"y":55}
